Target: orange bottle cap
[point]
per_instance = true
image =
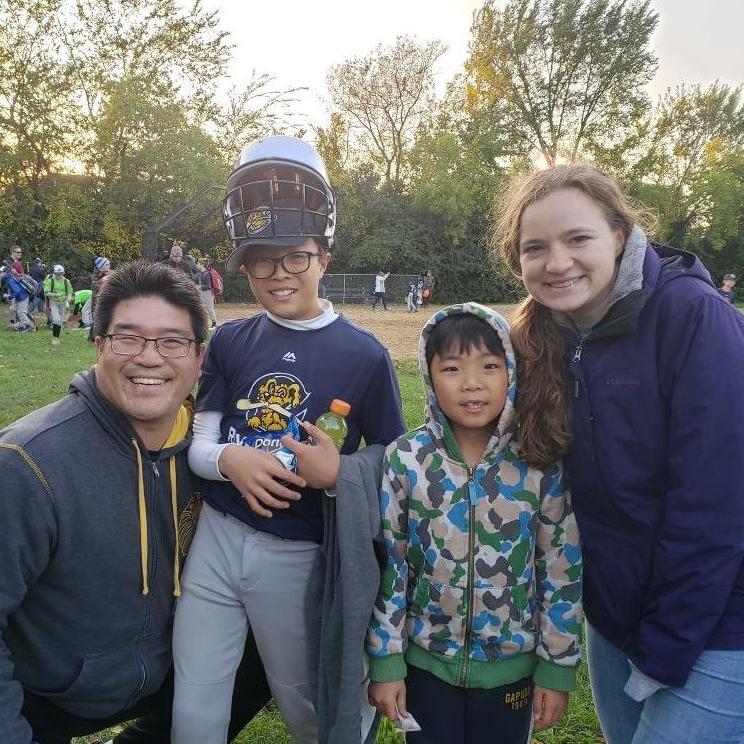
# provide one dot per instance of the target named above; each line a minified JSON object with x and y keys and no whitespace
{"x":341,"y":407}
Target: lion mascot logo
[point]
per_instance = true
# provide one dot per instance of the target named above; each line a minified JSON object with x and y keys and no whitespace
{"x":269,"y":398}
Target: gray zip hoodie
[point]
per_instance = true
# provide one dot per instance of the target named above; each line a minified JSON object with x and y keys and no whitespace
{"x":89,"y":557}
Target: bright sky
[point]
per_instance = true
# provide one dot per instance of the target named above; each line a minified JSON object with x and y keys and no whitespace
{"x":297,"y":41}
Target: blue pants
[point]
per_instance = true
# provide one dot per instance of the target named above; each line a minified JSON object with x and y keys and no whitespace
{"x":709,"y":709}
{"x":456,"y":715}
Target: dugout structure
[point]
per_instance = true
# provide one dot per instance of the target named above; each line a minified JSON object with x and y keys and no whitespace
{"x":199,"y":220}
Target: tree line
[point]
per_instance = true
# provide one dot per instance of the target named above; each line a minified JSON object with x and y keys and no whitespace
{"x":110,"y":119}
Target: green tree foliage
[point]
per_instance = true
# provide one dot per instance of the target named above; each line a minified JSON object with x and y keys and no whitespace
{"x":384,"y":97}
{"x":255,"y":110}
{"x":109,"y":121}
{"x":440,"y":185}
{"x":457,"y":164}
{"x":35,"y":92}
{"x":162,"y":46}
{"x":695,"y":129}
{"x":334,"y":145}
{"x":562,"y":74}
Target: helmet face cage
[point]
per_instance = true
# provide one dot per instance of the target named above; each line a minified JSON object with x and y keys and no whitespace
{"x":279,"y":203}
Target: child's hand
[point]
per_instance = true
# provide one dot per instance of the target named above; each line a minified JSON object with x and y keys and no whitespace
{"x":318,"y":463}
{"x":548,"y":707}
{"x":389,"y":698}
{"x":256,"y":475}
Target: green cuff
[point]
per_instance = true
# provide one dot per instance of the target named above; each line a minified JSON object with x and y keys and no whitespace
{"x":552,"y":676}
{"x":387,"y":668}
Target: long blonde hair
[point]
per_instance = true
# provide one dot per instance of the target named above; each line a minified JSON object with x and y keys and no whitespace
{"x":542,"y":408}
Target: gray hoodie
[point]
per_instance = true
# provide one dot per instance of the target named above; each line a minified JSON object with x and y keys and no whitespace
{"x":87,"y":583}
{"x":340,"y":598}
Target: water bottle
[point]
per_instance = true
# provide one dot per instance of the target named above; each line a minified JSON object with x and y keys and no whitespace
{"x":333,"y":422}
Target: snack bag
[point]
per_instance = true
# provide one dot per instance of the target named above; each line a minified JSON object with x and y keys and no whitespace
{"x":270,"y":441}
{"x":287,"y":457}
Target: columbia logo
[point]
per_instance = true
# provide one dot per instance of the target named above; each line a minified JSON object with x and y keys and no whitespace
{"x":289,"y":357}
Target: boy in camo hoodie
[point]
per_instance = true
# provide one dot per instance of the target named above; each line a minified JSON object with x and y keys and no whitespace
{"x":478,"y":614}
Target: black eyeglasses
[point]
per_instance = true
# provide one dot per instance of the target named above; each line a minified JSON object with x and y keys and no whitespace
{"x":168,"y":346}
{"x":263,"y":267}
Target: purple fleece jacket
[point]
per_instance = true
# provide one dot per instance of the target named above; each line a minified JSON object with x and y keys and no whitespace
{"x":657,"y":390}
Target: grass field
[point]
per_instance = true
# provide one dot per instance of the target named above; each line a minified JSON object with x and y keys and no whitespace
{"x":33,"y":375}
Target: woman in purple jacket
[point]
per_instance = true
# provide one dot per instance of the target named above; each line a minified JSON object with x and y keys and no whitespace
{"x":621,"y":342}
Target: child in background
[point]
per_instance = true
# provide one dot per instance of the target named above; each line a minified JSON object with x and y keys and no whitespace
{"x":419,"y":292}
{"x":261,"y":524}
{"x":478,"y":615}
{"x":411,"y":302}
{"x":82,"y":304}
{"x":58,"y":291}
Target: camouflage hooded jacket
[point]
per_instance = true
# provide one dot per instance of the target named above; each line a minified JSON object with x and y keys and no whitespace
{"x":484,"y":563}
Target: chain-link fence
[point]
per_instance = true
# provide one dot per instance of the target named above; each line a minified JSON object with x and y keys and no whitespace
{"x":360,"y":288}
{"x":341,"y":289}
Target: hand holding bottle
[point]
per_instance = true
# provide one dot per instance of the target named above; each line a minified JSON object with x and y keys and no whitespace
{"x":317,"y":463}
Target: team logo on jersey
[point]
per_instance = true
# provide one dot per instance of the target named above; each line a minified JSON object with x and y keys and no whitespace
{"x":258,"y":220}
{"x":272,"y":399}
{"x":289,"y":357}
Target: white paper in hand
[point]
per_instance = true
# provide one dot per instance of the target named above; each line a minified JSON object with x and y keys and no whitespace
{"x":406,"y":723}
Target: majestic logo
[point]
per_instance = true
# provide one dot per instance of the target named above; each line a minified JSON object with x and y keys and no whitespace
{"x":258,"y":220}
{"x":289,"y":357}
{"x":272,"y":399}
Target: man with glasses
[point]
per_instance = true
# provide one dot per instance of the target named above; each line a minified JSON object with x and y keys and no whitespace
{"x":15,"y":260}
{"x":91,"y":549}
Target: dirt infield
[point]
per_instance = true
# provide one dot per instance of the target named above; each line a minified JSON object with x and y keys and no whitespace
{"x":398,"y":329}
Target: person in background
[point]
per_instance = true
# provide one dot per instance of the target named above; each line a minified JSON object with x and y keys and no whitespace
{"x":176,"y":260}
{"x":218,"y":283}
{"x":101,"y":267}
{"x":22,"y":319}
{"x":189,"y":263}
{"x":411,"y":303}
{"x":15,"y":260}
{"x":59,"y":293}
{"x":38,"y":270}
{"x":428,"y":288}
{"x":727,"y":287}
{"x":380,"y":289}
{"x":38,"y":274}
{"x":204,"y":282}
{"x":82,"y":306}
{"x":15,"y":265}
